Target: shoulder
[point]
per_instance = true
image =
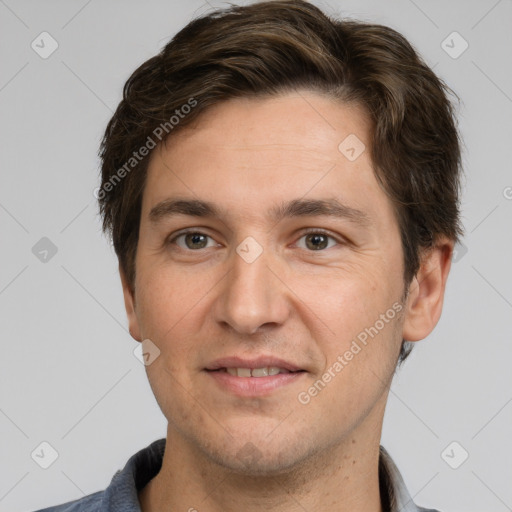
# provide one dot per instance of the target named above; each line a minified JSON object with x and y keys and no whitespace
{"x":89,"y":503}
{"x":121,"y":494}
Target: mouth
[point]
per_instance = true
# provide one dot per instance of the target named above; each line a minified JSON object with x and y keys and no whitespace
{"x":253,"y":378}
{"x":262,"y":366}
{"x":265,"y":371}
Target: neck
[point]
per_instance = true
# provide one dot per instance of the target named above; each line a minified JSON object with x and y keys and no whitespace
{"x":343,"y":478}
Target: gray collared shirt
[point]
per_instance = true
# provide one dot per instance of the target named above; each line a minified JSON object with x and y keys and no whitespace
{"x":122,"y":493}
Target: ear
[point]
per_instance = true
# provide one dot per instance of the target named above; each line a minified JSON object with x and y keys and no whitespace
{"x":129,"y":304}
{"x":426,"y":291}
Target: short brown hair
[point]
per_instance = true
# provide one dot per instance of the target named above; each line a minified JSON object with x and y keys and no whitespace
{"x":268,"y":48}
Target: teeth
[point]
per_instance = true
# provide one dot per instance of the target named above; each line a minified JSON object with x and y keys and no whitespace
{"x":259,"y":372}
{"x":256,"y":372}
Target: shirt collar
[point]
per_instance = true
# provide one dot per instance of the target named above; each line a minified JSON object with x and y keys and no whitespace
{"x":393,"y":486}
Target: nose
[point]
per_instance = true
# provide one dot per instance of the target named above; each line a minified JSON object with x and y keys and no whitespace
{"x":252,"y":298}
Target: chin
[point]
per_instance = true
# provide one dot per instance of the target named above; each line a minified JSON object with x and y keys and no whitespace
{"x":260,"y":458}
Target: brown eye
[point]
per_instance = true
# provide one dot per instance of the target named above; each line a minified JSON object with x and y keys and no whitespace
{"x":193,"y":241}
{"x":316,"y":242}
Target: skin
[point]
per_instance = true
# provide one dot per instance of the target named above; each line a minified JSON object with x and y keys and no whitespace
{"x":303,"y":305}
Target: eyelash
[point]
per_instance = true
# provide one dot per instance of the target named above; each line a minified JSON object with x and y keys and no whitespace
{"x":310,"y":231}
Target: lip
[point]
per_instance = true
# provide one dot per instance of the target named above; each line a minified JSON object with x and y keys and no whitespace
{"x":253,"y":386}
{"x":259,"y":362}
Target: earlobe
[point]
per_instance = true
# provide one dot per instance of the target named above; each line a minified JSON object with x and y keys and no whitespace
{"x":426,"y":291}
{"x":129,"y":304}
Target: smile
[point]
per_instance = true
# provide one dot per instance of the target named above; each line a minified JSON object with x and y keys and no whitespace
{"x":255,"y":372}
{"x":254,"y":382}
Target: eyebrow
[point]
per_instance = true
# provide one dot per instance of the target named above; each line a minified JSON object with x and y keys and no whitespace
{"x":290,"y":209}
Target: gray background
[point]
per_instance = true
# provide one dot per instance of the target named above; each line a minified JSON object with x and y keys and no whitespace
{"x":68,"y":375}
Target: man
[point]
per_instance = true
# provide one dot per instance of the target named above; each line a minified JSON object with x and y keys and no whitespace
{"x":282,"y":193}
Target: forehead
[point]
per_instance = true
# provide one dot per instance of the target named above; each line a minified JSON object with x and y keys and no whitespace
{"x":250,"y":152}
{"x":290,"y":123}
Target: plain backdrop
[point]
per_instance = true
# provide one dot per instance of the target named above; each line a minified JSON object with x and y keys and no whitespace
{"x":68,"y":375}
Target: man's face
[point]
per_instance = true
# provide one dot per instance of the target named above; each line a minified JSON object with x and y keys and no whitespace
{"x":251,"y":284}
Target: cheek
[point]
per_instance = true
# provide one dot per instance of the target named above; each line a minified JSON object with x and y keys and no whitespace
{"x":348,"y":298}
{"x":353,"y":315}
{"x":169,"y":309}
{"x":162,"y":306}
{"x":166,"y":297}
{"x":360,"y":358}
